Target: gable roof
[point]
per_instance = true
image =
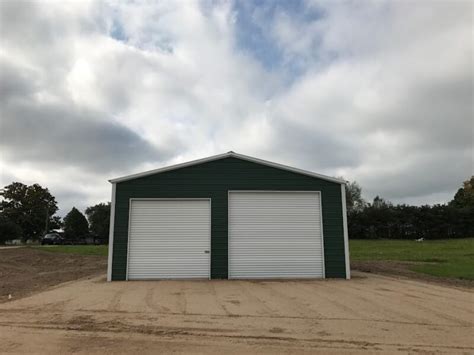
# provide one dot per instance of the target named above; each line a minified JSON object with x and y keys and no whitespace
{"x":227,"y":155}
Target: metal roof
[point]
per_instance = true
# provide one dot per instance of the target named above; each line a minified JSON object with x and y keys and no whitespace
{"x":230,"y":154}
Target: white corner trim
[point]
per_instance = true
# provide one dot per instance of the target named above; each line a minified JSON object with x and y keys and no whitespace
{"x":228,"y":155}
{"x":111,"y":233}
{"x":346,"y":233}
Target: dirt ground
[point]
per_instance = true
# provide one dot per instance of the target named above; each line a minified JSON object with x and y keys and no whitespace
{"x":402,"y":268}
{"x":379,"y":314}
{"x":24,"y":271}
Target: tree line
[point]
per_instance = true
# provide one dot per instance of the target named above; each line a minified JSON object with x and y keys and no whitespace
{"x":382,"y":219}
{"x":29,"y":212}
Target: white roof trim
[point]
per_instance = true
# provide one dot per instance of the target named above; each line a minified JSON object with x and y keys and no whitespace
{"x":228,"y":155}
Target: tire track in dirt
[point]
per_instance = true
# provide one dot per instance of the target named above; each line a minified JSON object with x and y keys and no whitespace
{"x":181,"y":333}
{"x":149,"y":301}
{"x":57,"y":306}
{"x":382,"y":305}
{"x":218,"y":301}
{"x":380,"y":297}
{"x":215,"y":316}
{"x":427,"y":288}
{"x":183,"y":303}
{"x":291,"y":301}
{"x":333,"y":301}
{"x":115,"y":301}
{"x":417,"y":304}
{"x":414,"y":293}
{"x":245,"y":287}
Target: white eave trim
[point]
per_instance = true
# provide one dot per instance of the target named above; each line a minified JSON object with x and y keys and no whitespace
{"x":346,"y":232}
{"x":111,"y":234}
{"x":228,"y":155}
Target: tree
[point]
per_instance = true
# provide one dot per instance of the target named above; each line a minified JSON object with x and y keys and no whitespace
{"x":380,"y":203}
{"x":381,"y":219}
{"x":55,"y":223}
{"x":29,"y":207}
{"x":75,"y":225}
{"x":99,"y":219}
{"x":354,"y":200}
{"x":464,"y":197}
{"x":8,"y":229}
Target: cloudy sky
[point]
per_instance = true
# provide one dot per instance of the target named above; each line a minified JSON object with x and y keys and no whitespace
{"x":380,"y":92}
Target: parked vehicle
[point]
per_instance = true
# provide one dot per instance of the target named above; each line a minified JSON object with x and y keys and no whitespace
{"x":53,"y":239}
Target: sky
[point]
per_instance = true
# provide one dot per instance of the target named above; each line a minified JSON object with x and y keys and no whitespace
{"x":380,"y":92}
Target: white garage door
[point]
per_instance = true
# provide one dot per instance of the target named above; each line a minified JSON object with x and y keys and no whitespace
{"x":169,"y":239}
{"x":275,"y":235}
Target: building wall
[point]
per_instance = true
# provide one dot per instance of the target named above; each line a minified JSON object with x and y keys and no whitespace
{"x":214,"y":179}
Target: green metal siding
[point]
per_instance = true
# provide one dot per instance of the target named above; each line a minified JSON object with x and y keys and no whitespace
{"x":213,"y":180}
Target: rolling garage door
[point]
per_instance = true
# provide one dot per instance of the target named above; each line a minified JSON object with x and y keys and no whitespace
{"x":169,"y":239}
{"x":275,"y":235}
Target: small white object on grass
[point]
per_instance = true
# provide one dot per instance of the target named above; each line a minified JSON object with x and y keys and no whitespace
{"x":419,"y":240}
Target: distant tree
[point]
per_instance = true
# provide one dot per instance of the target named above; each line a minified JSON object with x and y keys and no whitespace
{"x":464,"y":197}
{"x":382,"y":219}
{"x":29,"y":207}
{"x":380,"y":203}
{"x":99,"y":219}
{"x":463,"y":209}
{"x":354,"y":200}
{"x":8,"y":229}
{"x":55,"y":223}
{"x":75,"y":225}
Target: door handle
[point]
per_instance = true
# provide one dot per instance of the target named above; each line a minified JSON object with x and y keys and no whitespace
{"x":206,"y":251}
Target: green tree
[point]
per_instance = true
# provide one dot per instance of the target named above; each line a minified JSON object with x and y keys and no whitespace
{"x":75,"y":225}
{"x":381,"y":203}
{"x":29,"y":207}
{"x":382,"y":219}
{"x":464,"y":197}
{"x":354,"y":200}
{"x":55,"y":223}
{"x":8,"y":229}
{"x":99,"y":219}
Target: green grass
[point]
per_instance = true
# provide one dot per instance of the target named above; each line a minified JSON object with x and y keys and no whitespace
{"x":101,"y":250}
{"x":447,"y":258}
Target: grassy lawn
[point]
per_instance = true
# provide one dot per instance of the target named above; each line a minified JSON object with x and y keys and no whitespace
{"x":101,"y":250}
{"x":447,"y":258}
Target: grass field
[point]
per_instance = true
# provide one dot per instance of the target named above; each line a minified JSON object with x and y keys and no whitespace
{"x":446,"y":258}
{"x":101,"y":250}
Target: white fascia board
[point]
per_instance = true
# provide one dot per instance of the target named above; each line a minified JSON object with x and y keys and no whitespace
{"x":346,"y":232}
{"x":288,"y":168}
{"x":228,"y":155}
{"x":111,"y":234}
{"x":168,"y":168}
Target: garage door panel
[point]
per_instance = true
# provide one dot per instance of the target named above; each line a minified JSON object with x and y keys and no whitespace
{"x":168,"y":239}
{"x":275,"y":235}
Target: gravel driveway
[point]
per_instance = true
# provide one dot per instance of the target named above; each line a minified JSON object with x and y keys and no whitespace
{"x":369,"y":312}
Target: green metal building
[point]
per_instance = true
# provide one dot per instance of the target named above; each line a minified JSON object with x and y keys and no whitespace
{"x":228,"y":216}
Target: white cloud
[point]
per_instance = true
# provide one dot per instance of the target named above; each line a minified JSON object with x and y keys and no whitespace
{"x":382,"y":92}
